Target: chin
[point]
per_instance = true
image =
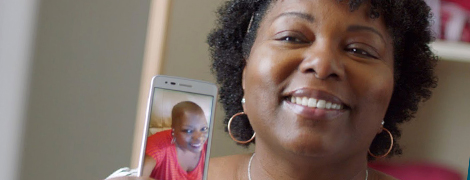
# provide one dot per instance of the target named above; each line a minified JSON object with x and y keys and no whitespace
{"x":196,"y":150}
{"x":310,"y":150}
{"x":309,"y":145}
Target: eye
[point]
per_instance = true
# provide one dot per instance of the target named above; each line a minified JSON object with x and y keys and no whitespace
{"x":292,"y":37}
{"x":204,"y":129}
{"x":187,"y":131}
{"x":362,"y":53}
{"x":293,"y":40}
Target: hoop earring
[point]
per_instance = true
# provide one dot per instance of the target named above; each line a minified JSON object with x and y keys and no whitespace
{"x":173,"y":140}
{"x":389,"y":149}
{"x":230,"y":132}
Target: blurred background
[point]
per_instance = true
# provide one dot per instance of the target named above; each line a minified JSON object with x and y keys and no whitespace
{"x":71,"y":71}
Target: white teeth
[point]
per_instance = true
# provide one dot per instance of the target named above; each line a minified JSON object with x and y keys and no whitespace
{"x":196,"y":145}
{"x":298,"y":100}
{"x":304,"y":101}
{"x":338,"y":106}
{"x":328,"y":105}
{"x":312,"y":102}
{"x":321,"y":104}
{"x":333,"y":106}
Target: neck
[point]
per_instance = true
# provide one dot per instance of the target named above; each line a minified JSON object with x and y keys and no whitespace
{"x":186,"y":152}
{"x":187,"y":160}
{"x":272,"y":164}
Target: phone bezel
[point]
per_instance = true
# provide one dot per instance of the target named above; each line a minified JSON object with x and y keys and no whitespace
{"x":183,"y":85}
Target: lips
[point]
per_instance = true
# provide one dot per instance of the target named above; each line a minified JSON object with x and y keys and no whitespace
{"x":315,"y":104}
{"x":315,"y":99}
{"x":196,"y":145}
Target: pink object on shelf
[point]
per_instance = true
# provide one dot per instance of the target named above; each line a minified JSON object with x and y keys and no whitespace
{"x":417,"y":171}
{"x":463,"y":3}
{"x":455,"y":20}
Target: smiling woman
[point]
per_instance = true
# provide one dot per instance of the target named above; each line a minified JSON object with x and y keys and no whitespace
{"x":322,"y":83}
{"x":178,"y":153}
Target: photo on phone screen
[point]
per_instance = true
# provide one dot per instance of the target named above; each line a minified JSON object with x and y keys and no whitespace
{"x":178,"y":129}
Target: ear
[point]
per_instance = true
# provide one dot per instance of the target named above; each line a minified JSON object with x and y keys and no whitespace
{"x":243,"y":84}
{"x":243,"y":77}
{"x":381,"y":126}
{"x":379,"y":130}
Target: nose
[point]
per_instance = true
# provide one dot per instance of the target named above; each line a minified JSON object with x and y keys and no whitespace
{"x":198,"y":136}
{"x":322,"y":61}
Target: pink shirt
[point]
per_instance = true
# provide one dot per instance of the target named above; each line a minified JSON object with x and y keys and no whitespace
{"x":160,"y":148}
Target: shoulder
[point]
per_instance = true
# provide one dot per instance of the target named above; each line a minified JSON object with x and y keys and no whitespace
{"x":380,"y":175}
{"x":159,"y":142}
{"x":163,"y":137}
{"x":228,"y":167}
{"x":161,"y":134}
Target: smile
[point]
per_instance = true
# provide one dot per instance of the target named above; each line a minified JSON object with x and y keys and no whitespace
{"x":197,"y":145}
{"x":315,"y":103}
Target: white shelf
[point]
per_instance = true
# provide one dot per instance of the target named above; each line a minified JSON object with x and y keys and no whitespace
{"x":452,"y":51}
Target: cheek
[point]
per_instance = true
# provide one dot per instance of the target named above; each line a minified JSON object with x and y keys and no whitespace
{"x":270,"y":67}
{"x":266,"y":74}
{"x":204,"y":137}
{"x":374,"y":90}
{"x":182,"y":137}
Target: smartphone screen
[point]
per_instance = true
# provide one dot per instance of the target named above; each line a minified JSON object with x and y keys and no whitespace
{"x":179,"y":128}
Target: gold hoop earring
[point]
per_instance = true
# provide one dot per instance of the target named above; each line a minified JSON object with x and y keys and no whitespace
{"x":230,"y":132}
{"x":389,"y":149}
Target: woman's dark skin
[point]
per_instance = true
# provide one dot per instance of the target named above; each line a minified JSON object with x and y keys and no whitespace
{"x":190,"y":127}
{"x":190,"y":131}
{"x":341,"y":54}
{"x":188,"y":156}
{"x":322,"y":50}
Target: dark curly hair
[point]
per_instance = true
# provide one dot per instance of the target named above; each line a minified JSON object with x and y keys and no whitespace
{"x":407,"y":22}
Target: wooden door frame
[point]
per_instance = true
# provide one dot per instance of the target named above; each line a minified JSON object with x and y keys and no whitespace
{"x":152,"y":65}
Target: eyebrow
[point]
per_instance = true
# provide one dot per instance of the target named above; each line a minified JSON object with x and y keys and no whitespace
{"x":354,"y":28}
{"x":305,"y":16}
{"x":187,"y":127}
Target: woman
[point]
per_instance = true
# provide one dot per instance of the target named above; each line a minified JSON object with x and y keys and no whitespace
{"x":179,"y":153}
{"x":323,"y":84}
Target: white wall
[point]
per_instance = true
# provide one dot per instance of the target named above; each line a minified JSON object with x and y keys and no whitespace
{"x":441,"y":130}
{"x":84,"y":87}
{"x":17,"y":23}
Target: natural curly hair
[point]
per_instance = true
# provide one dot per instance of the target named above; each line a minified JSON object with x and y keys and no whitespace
{"x":407,"y":22}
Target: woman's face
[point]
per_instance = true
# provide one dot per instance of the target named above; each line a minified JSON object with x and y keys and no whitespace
{"x":311,"y":53}
{"x":191,"y":131}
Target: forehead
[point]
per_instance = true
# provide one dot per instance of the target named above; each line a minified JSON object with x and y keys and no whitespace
{"x":192,"y":117}
{"x":327,"y":11}
{"x":311,"y":5}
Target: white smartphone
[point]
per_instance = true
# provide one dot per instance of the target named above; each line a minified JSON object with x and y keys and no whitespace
{"x":178,"y":129}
